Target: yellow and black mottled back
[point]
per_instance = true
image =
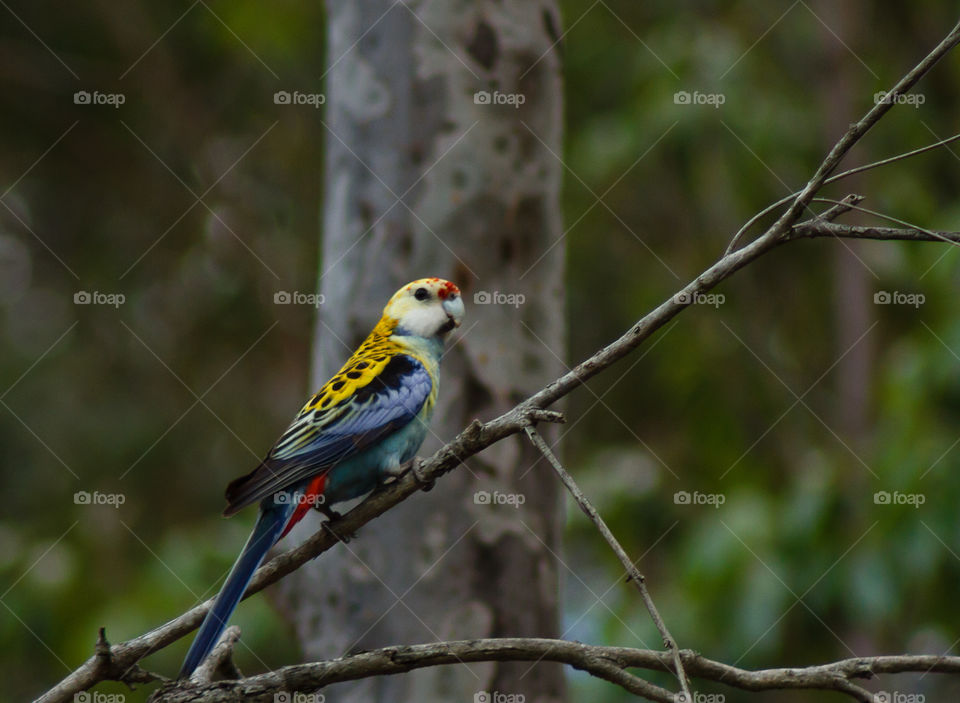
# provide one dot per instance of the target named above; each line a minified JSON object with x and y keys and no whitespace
{"x":366,"y":364}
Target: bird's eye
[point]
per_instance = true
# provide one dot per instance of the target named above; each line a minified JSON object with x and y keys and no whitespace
{"x":421,"y":294}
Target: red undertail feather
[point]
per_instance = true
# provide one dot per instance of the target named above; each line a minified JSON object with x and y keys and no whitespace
{"x":308,"y":499}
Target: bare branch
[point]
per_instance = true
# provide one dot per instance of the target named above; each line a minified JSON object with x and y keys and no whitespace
{"x":833,"y":179}
{"x":219,"y":663}
{"x":633,"y":573}
{"x":820,"y":227}
{"x":839,"y":207}
{"x":859,"y":129}
{"x":813,"y":229}
{"x":735,"y":260}
{"x":609,"y":663}
{"x":892,"y":159}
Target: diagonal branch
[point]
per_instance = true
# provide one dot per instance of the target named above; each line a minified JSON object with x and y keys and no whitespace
{"x":633,"y":573}
{"x":733,"y":261}
{"x":219,"y":663}
{"x":857,"y":130}
{"x":833,"y":179}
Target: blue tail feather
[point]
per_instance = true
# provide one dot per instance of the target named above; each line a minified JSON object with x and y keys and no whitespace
{"x":266,"y":531}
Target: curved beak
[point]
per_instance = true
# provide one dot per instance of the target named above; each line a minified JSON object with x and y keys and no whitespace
{"x":453,"y":306}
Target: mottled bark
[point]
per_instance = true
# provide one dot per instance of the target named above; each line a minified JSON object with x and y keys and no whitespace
{"x":479,"y":205}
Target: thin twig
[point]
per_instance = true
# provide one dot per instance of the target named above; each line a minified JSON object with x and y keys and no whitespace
{"x":892,"y":159}
{"x":833,"y":179}
{"x":932,"y":235}
{"x":813,"y":229}
{"x":859,"y":129}
{"x":633,"y":573}
{"x":839,"y":207}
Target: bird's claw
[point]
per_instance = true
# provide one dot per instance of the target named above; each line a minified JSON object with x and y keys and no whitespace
{"x":332,"y":515}
{"x":327,"y":510}
{"x":426,"y":484}
{"x":336,"y":533}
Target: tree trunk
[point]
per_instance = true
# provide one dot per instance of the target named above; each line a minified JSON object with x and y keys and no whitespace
{"x":479,"y":204}
{"x":853,"y":309}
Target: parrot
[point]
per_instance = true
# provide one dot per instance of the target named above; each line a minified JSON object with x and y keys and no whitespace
{"x":362,"y":427}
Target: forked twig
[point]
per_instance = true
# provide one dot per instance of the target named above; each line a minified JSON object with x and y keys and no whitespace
{"x":633,"y":573}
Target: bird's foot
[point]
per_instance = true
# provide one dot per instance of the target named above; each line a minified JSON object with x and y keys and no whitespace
{"x":332,"y":515}
{"x":416,"y":469}
{"x":345,"y":538}
{"x":327,"y":510}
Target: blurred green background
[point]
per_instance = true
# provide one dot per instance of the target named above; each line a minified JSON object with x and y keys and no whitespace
{"x":163,"y":399}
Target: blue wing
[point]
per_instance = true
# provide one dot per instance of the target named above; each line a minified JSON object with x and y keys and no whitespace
{"x":321,"y":438}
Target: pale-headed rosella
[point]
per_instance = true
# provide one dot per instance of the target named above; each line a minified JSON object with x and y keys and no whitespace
{"x":365,"y":424}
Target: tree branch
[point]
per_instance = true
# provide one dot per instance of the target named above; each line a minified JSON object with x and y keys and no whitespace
{"x":815,"y":228}
{"x":119,"y":662}
{"x":633,"y":573}
{"x":733,"y":261}
{"x":219,"y":663}
{"x":609,"y":663}
{"x":858,"y":130}
{"x":833,"y":179}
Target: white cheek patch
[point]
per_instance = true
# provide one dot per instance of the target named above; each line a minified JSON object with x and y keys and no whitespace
{"x":423,"y":320}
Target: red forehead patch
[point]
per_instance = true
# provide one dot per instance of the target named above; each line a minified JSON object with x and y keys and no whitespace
{"x":447,"y":289}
